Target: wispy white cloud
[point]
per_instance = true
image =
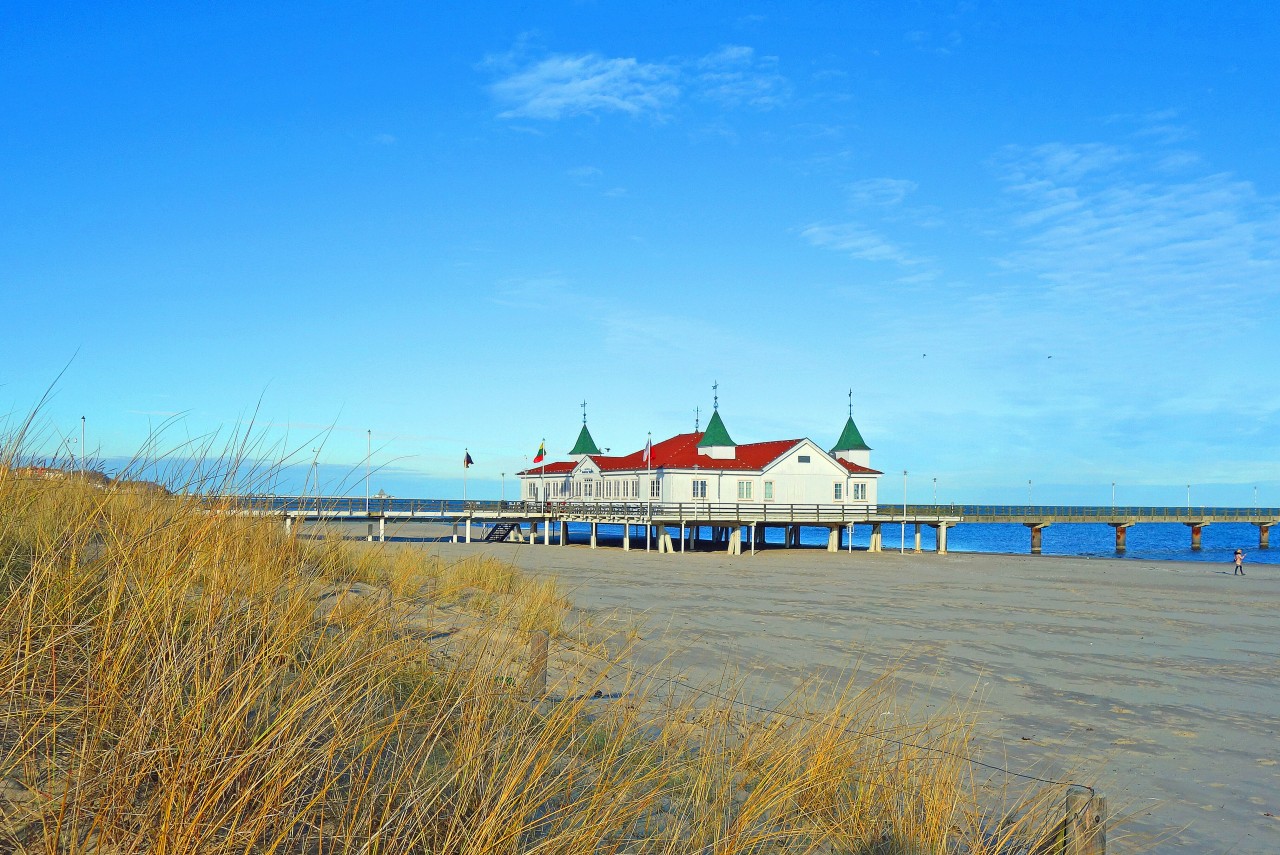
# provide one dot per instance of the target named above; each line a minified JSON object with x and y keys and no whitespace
{"x":565,"y":85}
{"x":942,"y":45}
{"x":735,"y":77}
{"x":1111,"y":222}
{"x":856,"y":240}
{"x":586,"y":84}
{"x":880,"y":191}
{"x":585,"y":174}
{"x":533,"y":291}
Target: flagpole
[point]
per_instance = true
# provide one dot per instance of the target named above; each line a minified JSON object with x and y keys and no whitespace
{"x":466,"y":452}
{"x":648,"y":471}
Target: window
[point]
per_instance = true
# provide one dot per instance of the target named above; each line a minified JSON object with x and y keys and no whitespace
{"x":655,"y":489}
{"x":744,"y":491}
{"x":586,"y":489}
{"x":699,"y":489}
{"x":804,"y":458}
{"x":768,"y":491}
{"x":635,"y":488}
{"x":837,"y":492}
{"x":860,"y":491}
{"x":533,"y":490}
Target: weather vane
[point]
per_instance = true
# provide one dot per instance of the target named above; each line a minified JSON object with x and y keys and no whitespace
{"x":584,"y":411}
{"x":715,"y":395}
{"x":697,"y":418}
{"x":850,"y":402}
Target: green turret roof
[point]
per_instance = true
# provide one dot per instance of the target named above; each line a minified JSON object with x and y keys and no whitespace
{"x":585,"y":444}
{"x":715,"y":433}
{"x":850,"y":439}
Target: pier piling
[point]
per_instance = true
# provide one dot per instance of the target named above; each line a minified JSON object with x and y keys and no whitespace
{"x":1196,"y":529}
{"x":1037,"y":536}
{"x":1122,"y":530}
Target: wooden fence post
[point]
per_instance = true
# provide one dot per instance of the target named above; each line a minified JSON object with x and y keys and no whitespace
{"x":1086,"y":823}
{"x":538,"y":642}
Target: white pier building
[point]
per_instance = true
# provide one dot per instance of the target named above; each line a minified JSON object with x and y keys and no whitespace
{"x":708,"y":466}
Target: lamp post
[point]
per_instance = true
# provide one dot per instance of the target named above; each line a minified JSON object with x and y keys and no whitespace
{"x":903,"y":541}
{"x":368,"y":455}
{"x":1255,"y":497}
{"x":502,"y":497}
{"x":1113,"y":497}
{"x":1029,"y":503}
{"x":1188,"y":498}
{"x":935,"y":490}
{"x":83,"y":464}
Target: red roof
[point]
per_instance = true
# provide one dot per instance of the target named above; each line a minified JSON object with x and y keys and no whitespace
{"x":857,"y":468}
{"x":559,"y":467}
{"x":681,"y":452}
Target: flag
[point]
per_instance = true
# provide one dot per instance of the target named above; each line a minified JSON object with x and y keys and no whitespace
{"x":466,"y":459}
{"x":542,"y":452}
{"x":648,"y":450}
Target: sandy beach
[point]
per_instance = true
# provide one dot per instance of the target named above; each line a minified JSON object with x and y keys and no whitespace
{"x":1156,"y":682}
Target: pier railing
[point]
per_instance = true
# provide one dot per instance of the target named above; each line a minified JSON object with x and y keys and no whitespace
{"x":764,"y":512}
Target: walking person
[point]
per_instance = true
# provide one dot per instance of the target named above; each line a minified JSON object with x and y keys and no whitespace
{"x":1239,"y":563}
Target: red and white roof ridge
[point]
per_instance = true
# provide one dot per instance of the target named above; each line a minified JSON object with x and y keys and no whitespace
{"x":681,"y":452}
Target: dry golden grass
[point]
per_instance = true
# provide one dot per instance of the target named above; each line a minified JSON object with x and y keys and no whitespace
{"x":182,"y":679}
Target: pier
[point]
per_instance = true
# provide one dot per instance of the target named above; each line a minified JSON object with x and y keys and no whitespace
{"x":734,"y":526}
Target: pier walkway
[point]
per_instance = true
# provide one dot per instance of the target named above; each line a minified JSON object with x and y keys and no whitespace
{"x":730,"y":524}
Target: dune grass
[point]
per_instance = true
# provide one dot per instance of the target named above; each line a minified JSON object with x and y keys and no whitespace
{"x":180,"y":678}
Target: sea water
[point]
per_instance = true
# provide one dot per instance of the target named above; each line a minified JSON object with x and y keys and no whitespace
{"x":1145,"y":542}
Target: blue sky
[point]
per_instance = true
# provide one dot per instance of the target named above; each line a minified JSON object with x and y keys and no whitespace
{"x":1038,"y":243}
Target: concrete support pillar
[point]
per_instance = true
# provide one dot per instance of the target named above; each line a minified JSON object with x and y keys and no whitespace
{"x":382,"y":529}
{"x":833,"y":539}
{"x":918,"y":537}
{"x":626,"y":536}
{"x":454,"y":538}
{"x":467,"y":531}
{"x":1037,"y":533}
{"x":546,"y":532}
{"x":875,"y":545}
{"x":1122,"y":530}
{"x":564,"y":533}
{"x":941,"y":547}
{"x":1196,"y":529}
{"x":1264,"y":535}
{"x":288,"y":525}
{"x":735,"y":542}
{"x":593,"y":535}
{"x":664,"y":539}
